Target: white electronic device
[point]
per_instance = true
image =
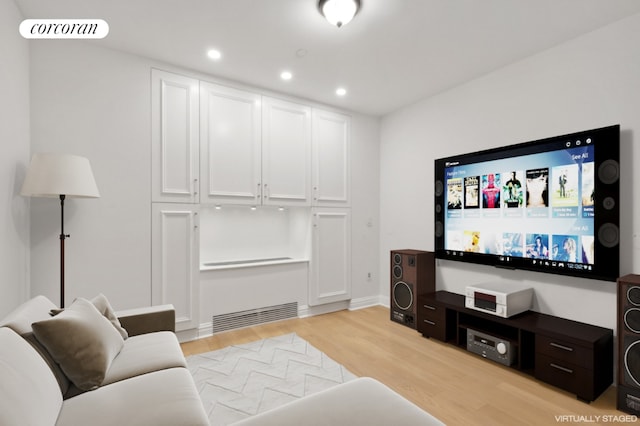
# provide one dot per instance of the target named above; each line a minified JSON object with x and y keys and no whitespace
{"x":503,"y":299}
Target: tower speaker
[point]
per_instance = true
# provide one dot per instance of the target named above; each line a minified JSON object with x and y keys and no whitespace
{"x":413,"y":273}
{"x":629,"y":344}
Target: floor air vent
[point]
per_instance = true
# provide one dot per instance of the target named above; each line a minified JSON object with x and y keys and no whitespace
{"x":251,"y":317}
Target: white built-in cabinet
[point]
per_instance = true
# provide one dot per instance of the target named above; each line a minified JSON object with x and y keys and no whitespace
{"x":230,"y":145}
{"x":254,"y":149}
{"x":286,"y":153}
{"x":175,"y":138}
{"x":330,"y":263}
{"x":331,"y":157}
{"x":217,"y":145}
{"x":175,"y":261}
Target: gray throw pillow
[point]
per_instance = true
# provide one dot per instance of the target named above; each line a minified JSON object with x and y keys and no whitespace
{"x":82,"y":341}
{"x":104,"y":307}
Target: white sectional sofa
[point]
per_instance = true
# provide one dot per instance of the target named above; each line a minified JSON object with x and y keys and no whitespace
{"x":146,"y":381}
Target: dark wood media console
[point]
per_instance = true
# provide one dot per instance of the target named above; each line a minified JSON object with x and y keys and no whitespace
{"x":571,"y":355}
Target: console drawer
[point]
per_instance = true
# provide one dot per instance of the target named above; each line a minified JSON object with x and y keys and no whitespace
{"x":564,"y":351}
{"x":567,"y":376}
{"x":432,"y":319}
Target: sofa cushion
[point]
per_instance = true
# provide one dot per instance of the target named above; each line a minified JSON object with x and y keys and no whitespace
{"x":163,"y":398}
{"x":82,"y":341}
{"x":63,"y":380}
{"x":29,"y":393}
{"x":21,"y":318}
{"x":146,"y":353}
{"x":364,"y":401}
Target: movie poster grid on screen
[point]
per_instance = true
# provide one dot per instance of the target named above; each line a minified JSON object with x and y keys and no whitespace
{"x":487,"y":202}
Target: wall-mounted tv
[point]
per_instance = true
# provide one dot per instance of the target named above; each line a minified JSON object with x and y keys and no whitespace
{"x":550,"y":205}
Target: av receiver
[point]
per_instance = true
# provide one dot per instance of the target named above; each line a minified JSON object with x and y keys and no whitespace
{"x":490,"y":347}
{"x":503,"y":299}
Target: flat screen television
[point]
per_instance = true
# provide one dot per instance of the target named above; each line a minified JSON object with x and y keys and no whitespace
{"x":550,"y":205}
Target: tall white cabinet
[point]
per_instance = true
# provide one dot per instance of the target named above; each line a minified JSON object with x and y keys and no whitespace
{"x":330,"y":263}
{"x":217,"y":145}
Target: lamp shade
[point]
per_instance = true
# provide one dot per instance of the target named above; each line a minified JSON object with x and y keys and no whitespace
{"x":52,"y":175}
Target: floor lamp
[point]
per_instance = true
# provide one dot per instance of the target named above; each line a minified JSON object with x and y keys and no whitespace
{"x":60,"y":176}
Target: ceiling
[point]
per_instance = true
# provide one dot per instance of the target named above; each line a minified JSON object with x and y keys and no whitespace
{"x":394,"y":52}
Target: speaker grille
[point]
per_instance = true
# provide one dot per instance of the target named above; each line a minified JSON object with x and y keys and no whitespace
{"x":397,"y":272}
{"x":609,"y":171}
{"x":633,"y":295}
{"x":403,"y":295}
{"x":632,"y":361}
{"x":608,"y":235}
{"x":632,"y":319}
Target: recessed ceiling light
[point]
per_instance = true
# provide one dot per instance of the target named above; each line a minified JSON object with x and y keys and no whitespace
{"x":286,"y":75}
{"x":341,"y":91}
{"x":214,"y":54}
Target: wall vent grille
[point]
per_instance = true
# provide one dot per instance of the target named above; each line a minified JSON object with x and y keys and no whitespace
{"x":251,"y":317}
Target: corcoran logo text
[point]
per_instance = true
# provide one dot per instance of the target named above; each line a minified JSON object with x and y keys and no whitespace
{"x":64,"y":28}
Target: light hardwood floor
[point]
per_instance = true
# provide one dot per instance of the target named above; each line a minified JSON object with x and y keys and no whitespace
{"x":452,"y":384}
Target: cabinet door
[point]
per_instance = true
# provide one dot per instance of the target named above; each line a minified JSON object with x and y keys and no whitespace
{"x":175,"y":261}
{"x":174,"y":138}
{"x":229,"y":145}
{"x":330,"y":265}
{"x":286,"y":153}
{"x":331,"y":134}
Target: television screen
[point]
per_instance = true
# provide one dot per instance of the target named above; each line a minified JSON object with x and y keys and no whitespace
{"x":550,"y":205}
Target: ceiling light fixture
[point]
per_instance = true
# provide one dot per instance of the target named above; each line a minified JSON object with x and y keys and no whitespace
{"x":341,"y":91}
{"x":339,"y":12}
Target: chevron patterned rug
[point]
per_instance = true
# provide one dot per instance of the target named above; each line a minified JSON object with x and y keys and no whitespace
{"x":240,"y":381}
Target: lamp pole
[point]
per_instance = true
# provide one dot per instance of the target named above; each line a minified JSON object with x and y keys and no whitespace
{"x":63,"y":236}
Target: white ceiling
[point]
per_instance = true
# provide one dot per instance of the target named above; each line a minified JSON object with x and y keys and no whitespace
{"x":392,"y":54}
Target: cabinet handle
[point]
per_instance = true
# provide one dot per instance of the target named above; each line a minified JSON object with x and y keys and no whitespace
{"x":429,"y":322}
{"x":559,"y":346}
{"x":559,"y":367}
{"x":195,"y":187}
{"x":433,"y":308}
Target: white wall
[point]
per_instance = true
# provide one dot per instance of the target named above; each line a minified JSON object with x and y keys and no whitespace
{"x":95,"y":102}
{"x":14,"y":159}
{"x":586,"y":83}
